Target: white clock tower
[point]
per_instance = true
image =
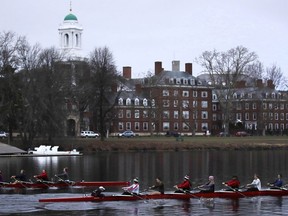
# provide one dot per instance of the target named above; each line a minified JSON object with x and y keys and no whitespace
{"x":70,"y":35}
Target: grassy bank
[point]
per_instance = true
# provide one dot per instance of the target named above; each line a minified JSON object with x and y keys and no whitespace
{"x":164,"y":143}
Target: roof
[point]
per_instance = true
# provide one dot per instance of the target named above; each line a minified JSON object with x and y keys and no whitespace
{"x":70,"y":17}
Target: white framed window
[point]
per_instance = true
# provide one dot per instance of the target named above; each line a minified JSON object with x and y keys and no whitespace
{"x":254,"y":106}
{"x":246,"y":116}
{"x":214,"y":107}
{"x":175,"y":126}
{"x":175,"y":93}
{"x":185,"y":114}
{"x":145,"y":126}
{"x":246,"y":106}
{"x":120,"y":113}
{"x":128,"y":101}
{"x":214,"y":97}
{"x":136,"y":113}
{"x":166,"y":103}
{"x":145,"y":113}
{"x":176,"y":114}
{"x":128,"y":113}
{"x":166,"y":126}
{"x":120,"y":101}
{"x":166,"y":114}
{"x":204,"y":104}
{"x":282,"y":116}
{"x":185,"y":127}
{"x":204,"y":115}
{"x":136,"y":102}
{"x":254,"y":116}
{"x":185,"y":103}
{"x":137,"y":126}
{"x":185,"y":93}
{"x":204,"y":126}
{"x":175,"y":103}
{"x":185,"y":81}
{"x":128,"y":125}
{"x":276,"y":117}
{"x":204,"y":94}
{"x":165,"y":93}
{"x":194,"y":93}
{"x":214,"y":117}
{"x":153,"y":102}
{"x":120,"y":126}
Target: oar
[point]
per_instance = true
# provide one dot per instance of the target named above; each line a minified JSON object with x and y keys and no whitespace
{"x":21,"y":182}
{"x":42,"y":181}
{"x":63,"y":180}
{"x":233,"y":189}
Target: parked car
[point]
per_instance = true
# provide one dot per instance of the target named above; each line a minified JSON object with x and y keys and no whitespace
{"x":89,"y":134}
{"x":172,"y":133}
{"x":223,"y":134}
{"x":242,"y":134}
{"x":127,"y":134}
{"x":3,"y":134}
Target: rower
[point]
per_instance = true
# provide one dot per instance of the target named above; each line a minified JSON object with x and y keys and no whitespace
{"x":20,"y":177}
{"x":132,"y":189}
{"x":98,"y":192}
{"x":64,"y":175}
{"x":158,"y":187}
{"x":255,"y":184}
{"x":42,"y":176}
{"x":183,"y":187}
{"x":278,"y":183}
{"x":233,"y":184}
{"x":208,"y":187}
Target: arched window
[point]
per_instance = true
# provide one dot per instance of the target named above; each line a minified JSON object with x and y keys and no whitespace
{"x":145,"y":102}
{"x":136,"y":102}
{"x":128,"y":101}
{"x":77,"y":40}
{"x":66,"y":40}
{"x":120,"y":101}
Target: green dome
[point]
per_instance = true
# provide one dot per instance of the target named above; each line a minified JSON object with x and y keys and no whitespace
{"x":70,"y":17}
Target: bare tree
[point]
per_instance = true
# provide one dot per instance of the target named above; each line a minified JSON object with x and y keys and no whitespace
{"x":102,"y":99}
{"x":274,"y":73}
{"x":225,"y":69}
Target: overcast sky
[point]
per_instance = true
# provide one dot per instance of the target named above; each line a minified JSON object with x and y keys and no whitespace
{"x":138,"y":33}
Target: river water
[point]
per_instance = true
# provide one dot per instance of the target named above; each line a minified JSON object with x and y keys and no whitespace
{"x":170,"y":166}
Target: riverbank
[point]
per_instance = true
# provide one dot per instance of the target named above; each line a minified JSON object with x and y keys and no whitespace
{"x":163,"y":143}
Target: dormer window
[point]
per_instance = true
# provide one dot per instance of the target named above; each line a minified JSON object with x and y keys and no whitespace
{"x":192,"y":81}
{"x":145,"y":102}
{"x":178,"y":81}
{"x":171,"y":81}
{"x":120,"y":101}
{"x":136,"y":102}
{"x":128,"y":101}
{"x":185,"y":81}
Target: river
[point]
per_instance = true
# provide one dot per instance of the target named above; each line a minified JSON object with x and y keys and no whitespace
{"x":170,"y":166}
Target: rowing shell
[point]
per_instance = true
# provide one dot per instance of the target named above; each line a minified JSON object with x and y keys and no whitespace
{"x":62,"y":184}
{"x":179,"y":196}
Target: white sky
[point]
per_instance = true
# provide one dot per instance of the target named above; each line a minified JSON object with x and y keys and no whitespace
{"x":138,"y":33}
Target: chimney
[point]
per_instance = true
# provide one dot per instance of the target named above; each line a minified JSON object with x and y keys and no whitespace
{"x":189,"y":68}
{"x":259,"y":83}
{"x":158,"y":67}
{"x":240,"y":84}
{"x":127,"y":72}
{"x":270,"y":84}
{"x":176,"y":66}
{"x":138,"y":88}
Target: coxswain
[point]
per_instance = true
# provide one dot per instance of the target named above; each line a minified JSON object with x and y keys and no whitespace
{"x":278,"y":183}
{"x":185,"y":186}
{"x":208,"y":187}
{"x":132,"y":189}
{"x":20,"y":177}
{"x":42,"y":176}
{"x":64,"y":175}
{"x":233,"y":184}
{"x":255,"y":184}
{"x":158,"y":187}
{"x":98,"y":192}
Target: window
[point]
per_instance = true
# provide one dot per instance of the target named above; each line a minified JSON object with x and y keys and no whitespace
{"x":276,"y":117}
{"x":178,"y":81}
{"x":204,"y":104}
{"x":185,"y":114}
{"x":204,"y":126}
{"x":120,"y":126}
{"x":166,"y":114}
{"x":175,"y":103}
{"x":249,"y":95}
{"x":128,"y":125}
{"x":185,"y":93}
{"x":136,"y":113}
{"x":185,"y":126}
{"x":286,"y":116}
{"x":282,"y":106}
{"x":66,"y":40}
{"x":136,"y":102}
{"x":194,"y":93}
{"x":214,"y":117}
{"x":264,"y":106}
{"x":185,"y":81}
{"x":176,"y":114}
{"x":166,"y":103}
{"x":145,"y":126}
{"x":246,"y":116}
{"x":145,"y":113}
{"x":254,"y":106}
{"x":246,"y":106}
{"x":128,"y":113}
{"x":137,"y":126}
{"x":165,"y":93}
{"x":282,"y":116}
{"x":238,"y":106}
{"x":175,"y":93}
{"x":120,"y":101}
{"x":214,"y":97}
{"x":192,"y":81}
{"x":166,"y":126}
{"x":185,"y":104}
{"x":145,"y":102}
{"x":238,"y":116}
{"x":153,"y":102}
{"x":204,"y":94}
{"x":214,"y":107}
{"x":175,"y":126}
{"x":120,"y":113}
{"x":254,"y":116}
{"x":194,"y":104}
{"x":128,"y":101}
{"x":204,"y":115}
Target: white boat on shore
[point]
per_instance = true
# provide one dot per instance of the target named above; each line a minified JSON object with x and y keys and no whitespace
{"x":44,"y":150}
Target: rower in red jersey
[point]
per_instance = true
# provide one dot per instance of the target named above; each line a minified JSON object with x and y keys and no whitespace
{"x":42,"y":176}
{"x":183,"y":187}
{"x":233,"y":184}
